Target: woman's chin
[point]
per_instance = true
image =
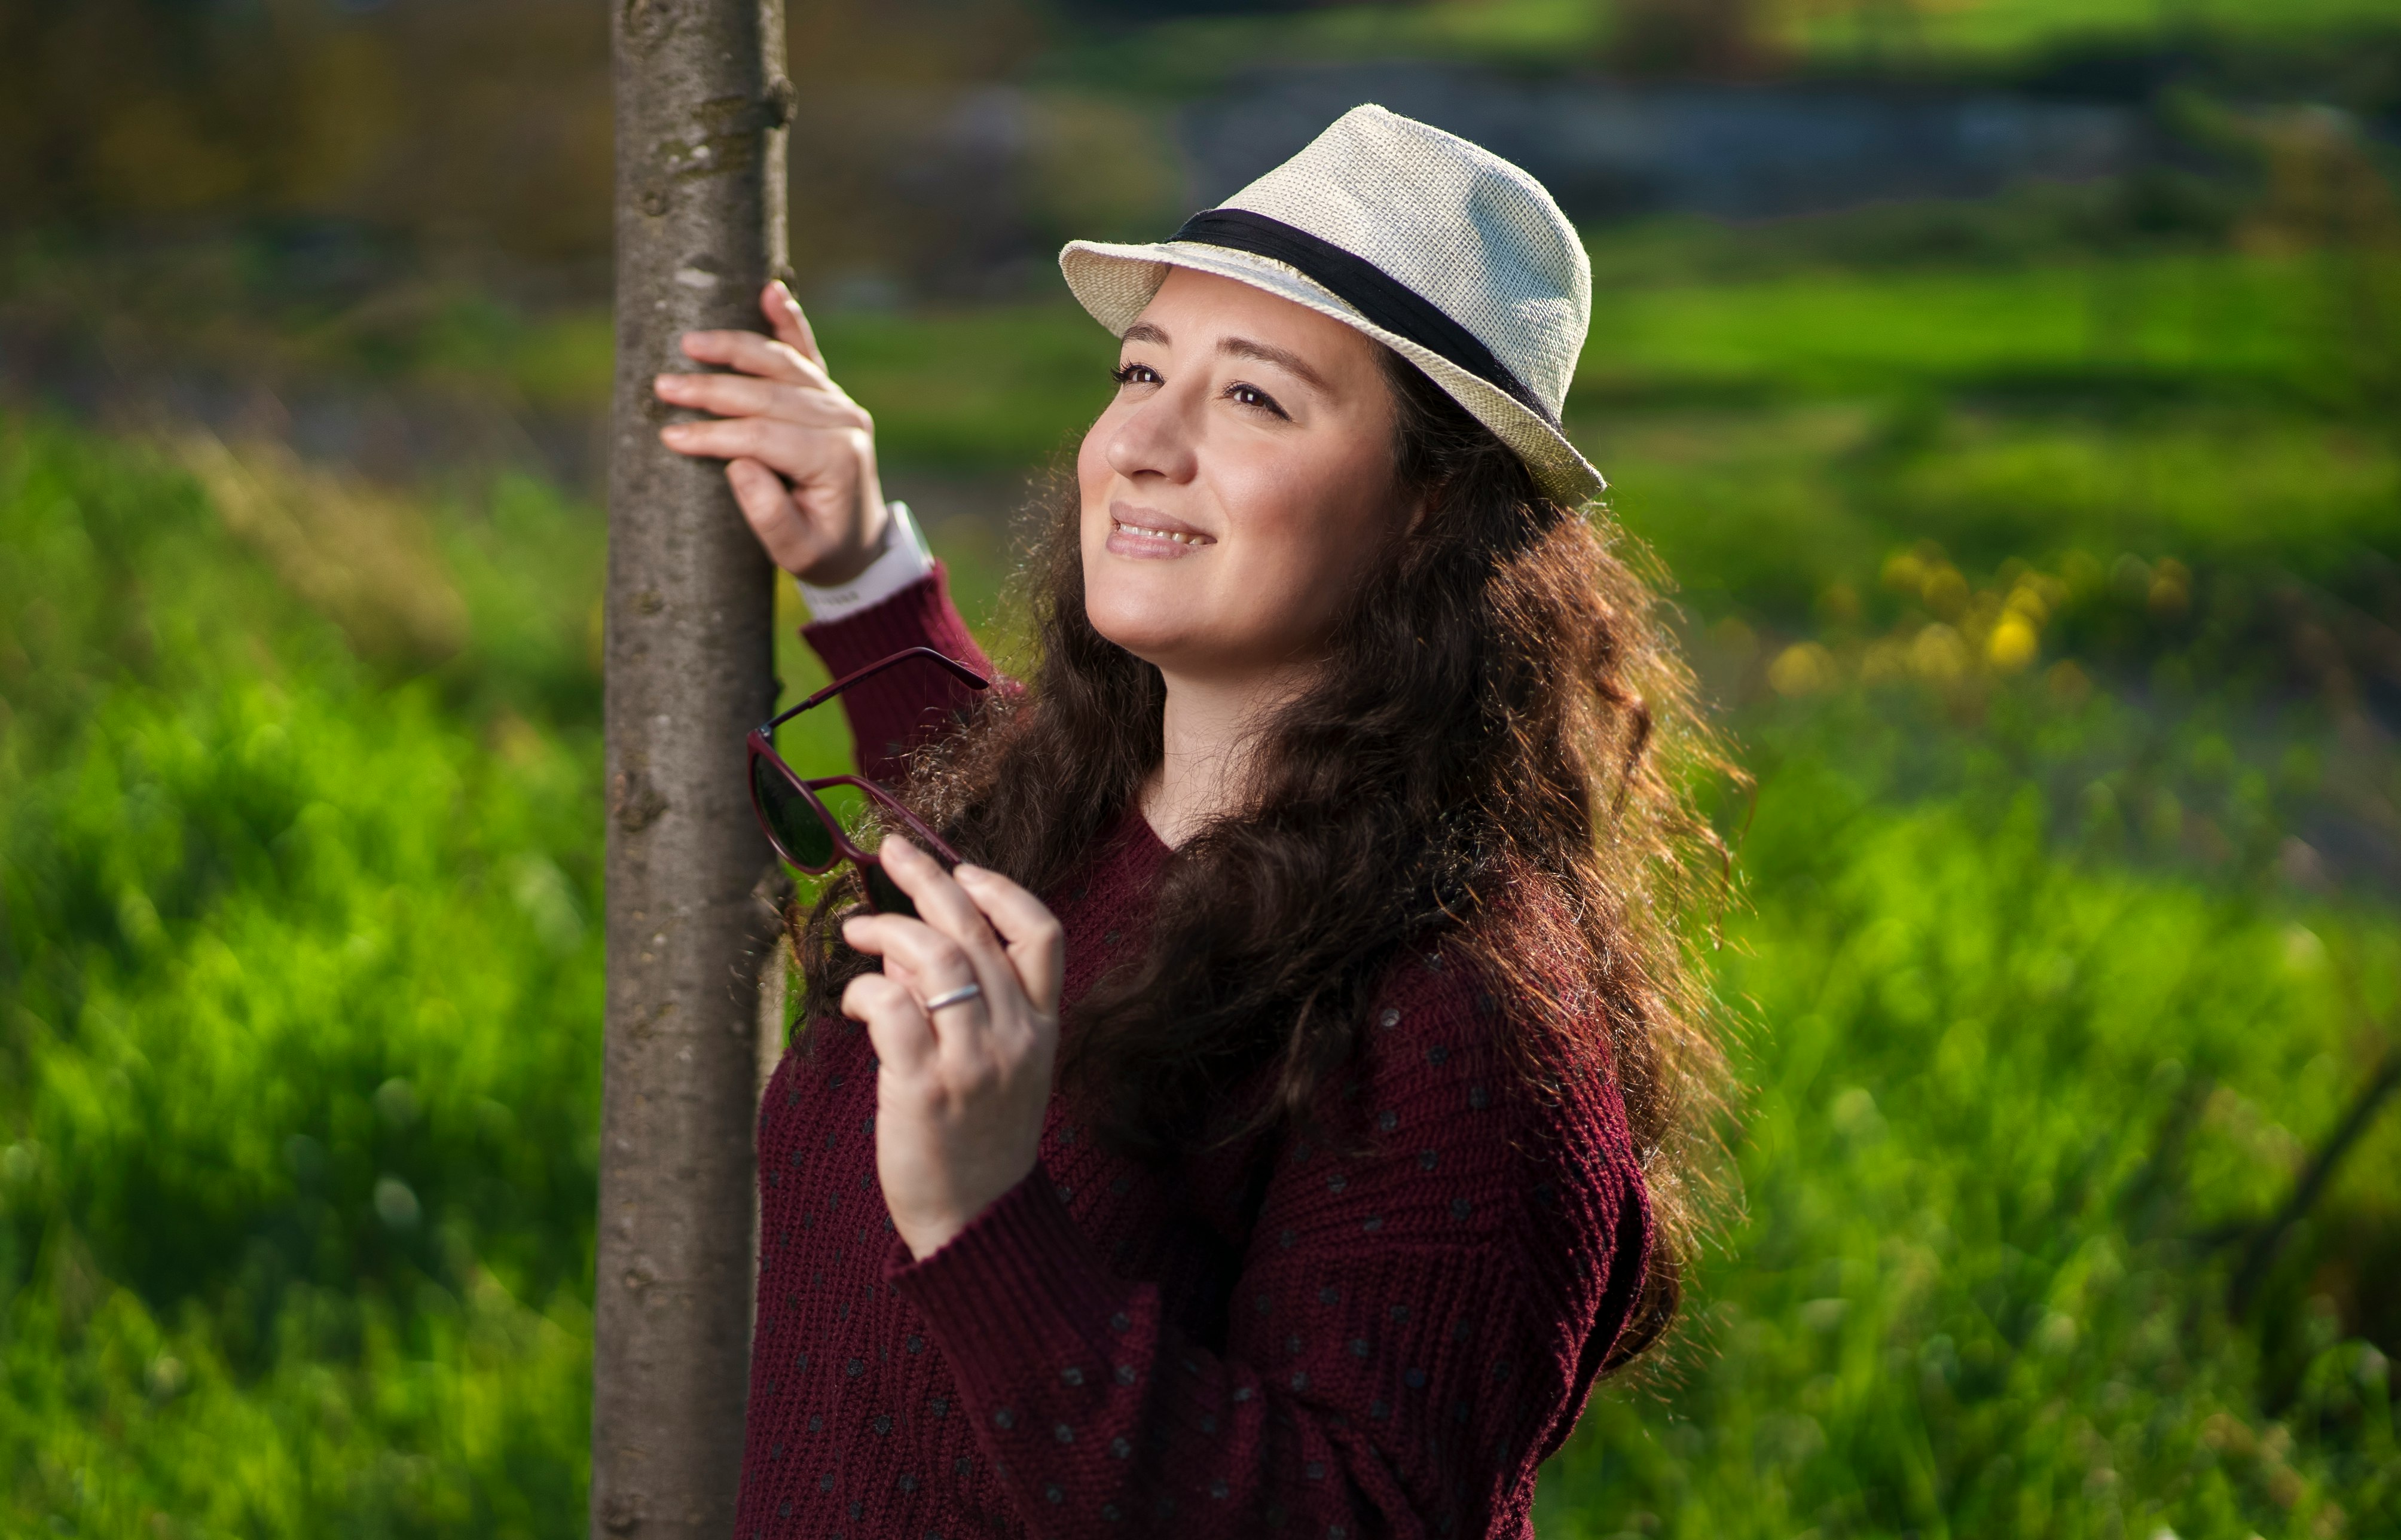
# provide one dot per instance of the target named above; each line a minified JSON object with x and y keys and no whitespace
{"x":1164,"y":630}
{"x":1154,"y":639}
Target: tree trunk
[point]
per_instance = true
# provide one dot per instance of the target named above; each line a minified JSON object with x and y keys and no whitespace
{"x":701,"y":101}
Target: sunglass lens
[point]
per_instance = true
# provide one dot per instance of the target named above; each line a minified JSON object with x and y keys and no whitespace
{"x":794,"y":823}
{"x":883,"y":892}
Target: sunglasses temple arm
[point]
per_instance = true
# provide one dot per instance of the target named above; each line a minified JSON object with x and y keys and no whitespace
{"x":957,"y":670}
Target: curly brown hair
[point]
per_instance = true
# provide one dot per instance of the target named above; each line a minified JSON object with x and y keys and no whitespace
{"x":1501,"y":754}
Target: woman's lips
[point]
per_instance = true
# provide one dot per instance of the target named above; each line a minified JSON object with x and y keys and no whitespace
{"x":1144,"y":535}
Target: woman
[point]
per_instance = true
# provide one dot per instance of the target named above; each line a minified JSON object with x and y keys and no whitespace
{"x":1340,"y":825}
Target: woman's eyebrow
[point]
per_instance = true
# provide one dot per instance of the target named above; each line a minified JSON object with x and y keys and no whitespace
{"x":1242,"y":347}
{"x":1143,"y":331}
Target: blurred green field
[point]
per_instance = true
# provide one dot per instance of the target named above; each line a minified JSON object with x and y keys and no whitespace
{"x":1836,"y":37}
{"x":2049,"y":597}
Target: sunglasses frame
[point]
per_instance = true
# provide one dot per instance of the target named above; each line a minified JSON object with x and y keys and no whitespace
{"x":761,"y":745}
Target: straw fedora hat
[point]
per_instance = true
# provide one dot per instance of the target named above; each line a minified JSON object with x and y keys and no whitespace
{"x":1438,"y":249}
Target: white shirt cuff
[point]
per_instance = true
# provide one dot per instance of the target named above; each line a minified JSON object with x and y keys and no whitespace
{"x":905,"y":559}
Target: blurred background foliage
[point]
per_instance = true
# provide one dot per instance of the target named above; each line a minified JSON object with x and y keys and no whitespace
{"x":2012,"y":389}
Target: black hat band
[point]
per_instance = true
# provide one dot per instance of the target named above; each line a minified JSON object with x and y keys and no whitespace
{"x":1382,"y":299}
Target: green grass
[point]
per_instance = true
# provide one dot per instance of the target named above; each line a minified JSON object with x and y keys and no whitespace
{"x":1969,"y":32}
{"x":297,"y":1062}
{"x":1957,"y":36}
{"x":975,"y":389}
{"x":2006,"y":1089}
{"x":2199,"y":324}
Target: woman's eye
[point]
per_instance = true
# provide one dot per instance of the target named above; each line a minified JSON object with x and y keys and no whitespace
{"x":1251,"y":395}
{"x":1134,"y":373}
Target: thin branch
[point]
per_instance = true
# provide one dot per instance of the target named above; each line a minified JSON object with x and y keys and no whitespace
{"x":2270,"y":1241}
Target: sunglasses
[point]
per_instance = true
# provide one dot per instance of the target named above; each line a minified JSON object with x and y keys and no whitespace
{"x":805,"y":831}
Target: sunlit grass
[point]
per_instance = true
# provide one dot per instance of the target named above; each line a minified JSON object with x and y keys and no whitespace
{"x":1921,"y":33}
{"x":1766,"y":512}
{"x":2003,"y":1094}
{"x":2195,"y":323}
{"x":1823,"y":34}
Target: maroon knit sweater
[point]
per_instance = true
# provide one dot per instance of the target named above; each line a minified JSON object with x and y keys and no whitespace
{"x":1314,"y":1341}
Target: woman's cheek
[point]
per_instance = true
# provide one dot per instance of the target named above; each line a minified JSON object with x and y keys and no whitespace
{"x":1092,"y":482}
{"x":1302,"y":552}
{"x":1093,"y":463}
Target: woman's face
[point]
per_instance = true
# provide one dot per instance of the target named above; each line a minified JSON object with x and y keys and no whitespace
{"x":1239,"y":487}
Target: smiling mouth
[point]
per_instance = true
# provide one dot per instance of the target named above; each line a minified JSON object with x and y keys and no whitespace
{"x":1179,"y":537}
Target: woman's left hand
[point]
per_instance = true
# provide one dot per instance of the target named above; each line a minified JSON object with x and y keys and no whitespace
{"x":960,"y":1095}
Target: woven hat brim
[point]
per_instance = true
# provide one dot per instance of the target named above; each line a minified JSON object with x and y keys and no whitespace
{"x":1115,"y":281}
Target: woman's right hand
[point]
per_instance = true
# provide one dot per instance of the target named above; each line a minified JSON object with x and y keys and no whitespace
{"x":800,"y":454}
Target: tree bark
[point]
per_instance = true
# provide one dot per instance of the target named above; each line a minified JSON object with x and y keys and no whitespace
{"x":701,"y":104}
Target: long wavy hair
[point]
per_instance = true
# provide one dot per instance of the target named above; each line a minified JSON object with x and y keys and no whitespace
{"x":1500,"y":756}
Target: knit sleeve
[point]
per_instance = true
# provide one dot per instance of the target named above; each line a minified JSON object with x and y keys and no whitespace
{"x":1415,"y":1324}
{"x":910,"y":705}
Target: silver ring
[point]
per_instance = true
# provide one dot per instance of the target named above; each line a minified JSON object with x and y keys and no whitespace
{"x":960,"y":996}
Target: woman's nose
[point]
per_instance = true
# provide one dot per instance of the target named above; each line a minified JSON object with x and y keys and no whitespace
{"x":1155,"y":437}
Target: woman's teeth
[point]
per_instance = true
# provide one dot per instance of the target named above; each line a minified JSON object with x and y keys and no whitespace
{"x":1180,"y":539}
